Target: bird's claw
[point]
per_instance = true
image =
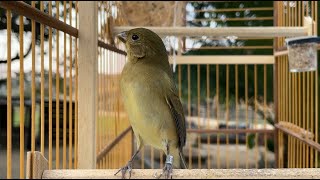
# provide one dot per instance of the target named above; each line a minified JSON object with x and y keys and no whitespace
{"x":124,"y":170}
{"x":167,"y":170}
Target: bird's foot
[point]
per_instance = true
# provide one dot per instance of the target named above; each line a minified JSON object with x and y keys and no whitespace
{"x":167,"y":170}
{"x":125,"y":169}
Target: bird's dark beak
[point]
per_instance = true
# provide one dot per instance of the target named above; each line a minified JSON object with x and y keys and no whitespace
{"x":123,"y":36}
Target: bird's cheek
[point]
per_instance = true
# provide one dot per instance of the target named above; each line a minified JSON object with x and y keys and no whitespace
{"x":137,"y":51}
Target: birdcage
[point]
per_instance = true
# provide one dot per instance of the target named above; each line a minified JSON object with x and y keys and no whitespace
{"x":246,"y":115}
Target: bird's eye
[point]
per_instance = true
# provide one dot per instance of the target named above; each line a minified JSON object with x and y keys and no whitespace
{"x":135,"y":37}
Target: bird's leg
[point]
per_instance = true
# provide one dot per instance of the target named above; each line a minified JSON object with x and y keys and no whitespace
{"x":167,"y":170}
{"x":127,"y":167}
{"x":168,"y":167}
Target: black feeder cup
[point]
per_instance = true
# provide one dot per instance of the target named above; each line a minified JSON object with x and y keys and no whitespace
{"x":302,"y":53}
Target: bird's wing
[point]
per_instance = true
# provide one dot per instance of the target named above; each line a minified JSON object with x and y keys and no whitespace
{"x":178,"y":116}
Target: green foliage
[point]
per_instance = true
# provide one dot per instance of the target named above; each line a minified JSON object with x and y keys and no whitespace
{"x":251,"y":141}
{"x":270,"y":145}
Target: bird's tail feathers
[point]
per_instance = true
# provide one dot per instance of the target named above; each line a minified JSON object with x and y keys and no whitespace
{"x":183,"y":163}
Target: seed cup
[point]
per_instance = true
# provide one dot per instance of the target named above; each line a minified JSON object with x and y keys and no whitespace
{"x":302,"y":53}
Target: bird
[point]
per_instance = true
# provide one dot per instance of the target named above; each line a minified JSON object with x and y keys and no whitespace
{"x":151,"y":100}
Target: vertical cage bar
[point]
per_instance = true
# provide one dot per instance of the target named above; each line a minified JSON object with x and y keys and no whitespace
{"x":70,"y":91}
{"x":64,"y":157}
{"x":237,"y":114}
{"x":42,"y":82}
{"x":316,"y":89}
{"x":189,"y":113}
{"x":299,"y":118}
{"x":265,"y":113}
{"x":227,"y":114}
{"x":198,"y":94}
{"x":98,"y":127}
{"x":98,"y":104}
{"x":303,"y":117}
{"x":312,"y":155}
{"x":99,"y":87}
{"x":57,"y":92}
{"x":255,"y":112}
{"x":293,"y":120}
{"x":108,"y":105}
{"x":208,"y":116}
{"x":290,"y":116}
{"x":76,"y":96}
{"x":103,"y":98}
{"x":308,"y":113}
{"x":22,"y":117}
{"x":33,"y":83}
{"x":9,"y":98}
{"x":284,"y":88}
{"x":295,"y":142}
{"x":50,"y":89}
{"x":289,"y":23}
{"x":104,"y":52}
{"x":278,"y":67}
{"x":102,"y":101}
{"x":218,"y":111}
{"x":276,"y":22}
{"x":246,"y":103}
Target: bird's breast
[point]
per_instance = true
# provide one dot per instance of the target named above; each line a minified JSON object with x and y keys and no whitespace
{"x":147,"y":109}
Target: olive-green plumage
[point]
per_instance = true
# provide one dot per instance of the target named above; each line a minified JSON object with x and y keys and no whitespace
{"x":150,"y":96}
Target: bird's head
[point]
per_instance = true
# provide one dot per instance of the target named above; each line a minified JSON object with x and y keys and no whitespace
{"x":142,"y":42}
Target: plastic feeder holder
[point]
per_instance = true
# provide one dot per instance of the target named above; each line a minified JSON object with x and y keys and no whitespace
{"x":302,"y":53}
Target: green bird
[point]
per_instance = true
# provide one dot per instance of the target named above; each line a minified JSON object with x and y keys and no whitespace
{"x":150,"y":98}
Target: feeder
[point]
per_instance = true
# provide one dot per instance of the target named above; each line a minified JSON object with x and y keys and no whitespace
{"x":302,"y":53}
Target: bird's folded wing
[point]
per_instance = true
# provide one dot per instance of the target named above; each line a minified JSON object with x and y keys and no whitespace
{"x":178,"y":116}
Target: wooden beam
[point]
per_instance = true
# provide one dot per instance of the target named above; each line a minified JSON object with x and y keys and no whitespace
{"x":230,"y":131}
{"x":275,"y":87}
{"x":308,"y":24}
{"x":240,"y":59}
{"x":36,"y":165}
{"x":233,"y":19}
{"x":281,"y":53}
{"x":296,"y":129}
{"x":111,"y":145}
{"x":256,"y":32}
{"x":110,"y":47}
{"x":292,"y":173}
{"x":230,"y":47}
{"x":311,"y":143}
{"x":233,"y":9}
{"x":88,"y":58}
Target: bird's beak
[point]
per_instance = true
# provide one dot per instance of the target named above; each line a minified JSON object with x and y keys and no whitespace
{"x":123,"y":36}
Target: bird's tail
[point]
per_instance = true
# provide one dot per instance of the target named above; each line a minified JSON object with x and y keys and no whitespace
{"x":183,"y":163}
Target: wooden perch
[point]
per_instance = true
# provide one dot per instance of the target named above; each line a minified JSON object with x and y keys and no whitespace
{"x":186,"y":174}
{"x":265,"y":32}
{"x":296,"y":129}
{"x":232,"y":59}
{"x":37,"y":168}
{"x":299,"y":133}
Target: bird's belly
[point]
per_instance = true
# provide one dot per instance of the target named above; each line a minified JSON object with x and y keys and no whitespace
{"x":150,"y":117}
